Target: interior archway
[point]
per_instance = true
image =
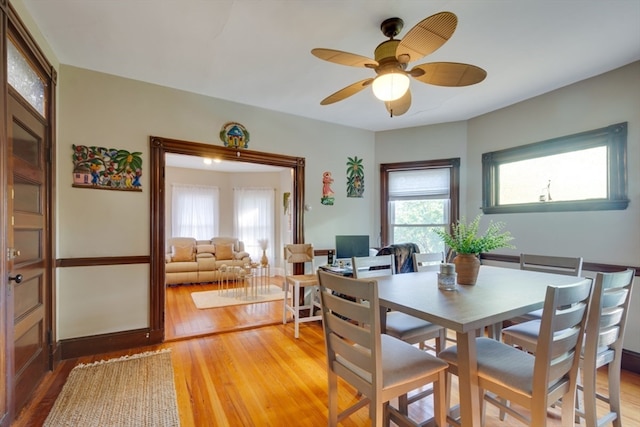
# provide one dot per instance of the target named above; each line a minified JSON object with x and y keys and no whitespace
{"x":160,"y":146}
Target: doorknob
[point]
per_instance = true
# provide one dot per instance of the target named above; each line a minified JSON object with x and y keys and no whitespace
{"x":17,"y":278}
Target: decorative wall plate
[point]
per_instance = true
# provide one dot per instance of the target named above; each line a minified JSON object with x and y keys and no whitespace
{"x":234,"y":135}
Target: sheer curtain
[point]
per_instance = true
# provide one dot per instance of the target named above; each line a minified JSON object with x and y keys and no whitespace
{"x":194,"y":211}
{"x":254,"y":219}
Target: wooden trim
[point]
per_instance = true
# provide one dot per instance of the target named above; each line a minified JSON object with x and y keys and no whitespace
{"x":454,"y":184}
{"x":92,"y":262}
{"x":158,"y":147}
{"x":105,"y":343}
{"x":630,"y":361}
{"x":586,"y":266}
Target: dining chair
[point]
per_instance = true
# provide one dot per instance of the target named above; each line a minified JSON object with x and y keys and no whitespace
{"x":400,"y":325}
{"x":380,"y":367}
{"x":427,"y":261}
{"x":535,"y":382}
{"x":602,"y":344}
{"x":299,"y":253}
{"x":569,"y":266}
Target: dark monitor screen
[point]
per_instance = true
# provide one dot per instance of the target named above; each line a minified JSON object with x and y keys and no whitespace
{"x":350,"y":246}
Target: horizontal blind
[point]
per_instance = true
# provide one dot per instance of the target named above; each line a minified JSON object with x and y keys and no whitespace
{"x":419,"y":183}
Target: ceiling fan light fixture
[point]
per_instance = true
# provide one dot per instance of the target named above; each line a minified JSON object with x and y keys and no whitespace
{"x":391,"y":85}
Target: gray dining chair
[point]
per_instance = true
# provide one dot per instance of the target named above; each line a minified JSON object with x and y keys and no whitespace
{"x":535,"y":382}
{"x":400,"y":325}
{"x":602,"y":345}
{"x":569,"y":266}
{"x":379,"y":366}
{"x":427,"y":261}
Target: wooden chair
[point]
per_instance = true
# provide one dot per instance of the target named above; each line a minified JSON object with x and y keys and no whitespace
{"x":400,"y":325}
{"x":301,"y":253}
{"x":536,"y":382}
{"x":427,"y":261}
{"x":570,"y":266}
{"x":602,"y":344}
{"x":379,"y":366}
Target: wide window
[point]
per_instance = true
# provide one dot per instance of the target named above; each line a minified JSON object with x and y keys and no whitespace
{"x":585,"y":171}
{"x":195,"y":211}
{"x":418,"y":197}
{"x":254,"y":220}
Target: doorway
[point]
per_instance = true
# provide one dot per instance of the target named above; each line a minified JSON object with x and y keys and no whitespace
{"x":158,"y":148}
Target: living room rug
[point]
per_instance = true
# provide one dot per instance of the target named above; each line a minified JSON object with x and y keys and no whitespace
{"x":214,"y":299}
{"x":131,"y":391}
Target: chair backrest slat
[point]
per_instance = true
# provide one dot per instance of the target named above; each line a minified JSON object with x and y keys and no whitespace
{"x":373,"y":266}
{"x":608,"y":314}
{"x":298,"y":253}
{"x":352,"y":330}
{"x":570,"y":266}
{"x":428,"y":261}
{"x":561,"y":332}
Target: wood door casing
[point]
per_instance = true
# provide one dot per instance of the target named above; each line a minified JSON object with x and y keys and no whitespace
{"x":27,"y":300}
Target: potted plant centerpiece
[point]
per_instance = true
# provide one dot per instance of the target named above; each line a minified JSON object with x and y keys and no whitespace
{"x":467,"y":243}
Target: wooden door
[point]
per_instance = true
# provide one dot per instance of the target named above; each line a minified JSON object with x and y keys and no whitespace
{"x":27,"y":298}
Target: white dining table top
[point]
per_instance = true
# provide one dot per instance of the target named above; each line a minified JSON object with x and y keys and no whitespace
{"x":499,"y":294}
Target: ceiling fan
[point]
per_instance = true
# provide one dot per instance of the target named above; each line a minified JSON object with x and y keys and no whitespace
{"x":392,"y":57}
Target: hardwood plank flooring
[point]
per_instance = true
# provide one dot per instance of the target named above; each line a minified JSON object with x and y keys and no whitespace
{"x":184,"y":320}
{"x":263,"y":376}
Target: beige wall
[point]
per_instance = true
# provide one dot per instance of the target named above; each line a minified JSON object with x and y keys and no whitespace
{"x":609,"y":237}
{"x":104,"y":110}
{"x":226,"y":182}
{"x":99,"y":109}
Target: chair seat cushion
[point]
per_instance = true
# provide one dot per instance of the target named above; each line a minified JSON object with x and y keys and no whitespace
{"x":527,"y":331}
{"x":405,"y":327}
{"x":403,"y":362}
{"x":500,"y":362}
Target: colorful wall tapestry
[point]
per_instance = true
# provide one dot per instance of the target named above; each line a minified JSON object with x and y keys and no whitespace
{"x":355,"y":177}
{"x":106,"y":168}
{"x":327,"y":192}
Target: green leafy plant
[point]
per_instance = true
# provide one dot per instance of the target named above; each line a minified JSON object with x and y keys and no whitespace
{"x":465,"y":239}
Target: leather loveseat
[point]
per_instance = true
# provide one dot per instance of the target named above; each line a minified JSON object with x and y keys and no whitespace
{"x":199,"y":261}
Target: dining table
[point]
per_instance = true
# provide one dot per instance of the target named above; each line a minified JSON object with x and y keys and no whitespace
{"x":499,"y":294}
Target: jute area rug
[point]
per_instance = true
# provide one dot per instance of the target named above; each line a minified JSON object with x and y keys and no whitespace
{"x":213,"y":299}
{"x":131,"y":391}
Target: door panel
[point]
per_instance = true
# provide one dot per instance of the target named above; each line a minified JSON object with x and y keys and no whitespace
{"x":27,"y":299}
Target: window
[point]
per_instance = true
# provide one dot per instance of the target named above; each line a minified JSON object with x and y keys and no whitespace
{"x":195,"y":211}
{"x":585,"y":171}
{"x":22,"y":77}
{"x":255,"y":220}
{"x":418,"y":197}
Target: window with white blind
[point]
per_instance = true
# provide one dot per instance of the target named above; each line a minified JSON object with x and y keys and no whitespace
{"x":418,"y":200}
{"x":254,"y":220}
{"x":195,"y":211}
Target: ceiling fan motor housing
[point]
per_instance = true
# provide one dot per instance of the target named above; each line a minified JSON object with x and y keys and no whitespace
{"x":385,"y":56}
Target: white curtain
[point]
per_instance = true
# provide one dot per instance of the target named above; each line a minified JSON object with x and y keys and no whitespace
{"x":194,"y":211}
{"x":254,"y":220}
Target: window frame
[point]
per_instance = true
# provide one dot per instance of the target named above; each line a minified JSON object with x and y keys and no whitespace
{"x":454,"y":183}
{"x":614,"y":137}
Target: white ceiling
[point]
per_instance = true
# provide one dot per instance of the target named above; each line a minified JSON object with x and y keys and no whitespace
{"x":257,"y":52}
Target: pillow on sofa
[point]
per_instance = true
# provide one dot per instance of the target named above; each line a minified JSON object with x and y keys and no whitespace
{"x":182,"y":253}
{"x":242,"y":254}
{"x":206,"y":249}
{"x":224,"y":251}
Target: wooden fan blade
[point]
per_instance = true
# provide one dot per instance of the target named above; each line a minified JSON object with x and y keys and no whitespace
{"x":426,"y":37}
{"x":346,"y":92}
{"x":448,"y":74}
{"x":344,"y":58}
{"x":400,"y":105}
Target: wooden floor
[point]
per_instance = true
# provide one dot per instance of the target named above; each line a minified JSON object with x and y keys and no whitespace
{"x":261,"y":376}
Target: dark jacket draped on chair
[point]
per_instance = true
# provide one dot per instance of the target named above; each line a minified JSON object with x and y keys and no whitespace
{"x":403,"y":254}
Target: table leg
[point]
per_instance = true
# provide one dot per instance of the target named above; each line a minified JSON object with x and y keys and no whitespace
{"x":468,"y":380}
